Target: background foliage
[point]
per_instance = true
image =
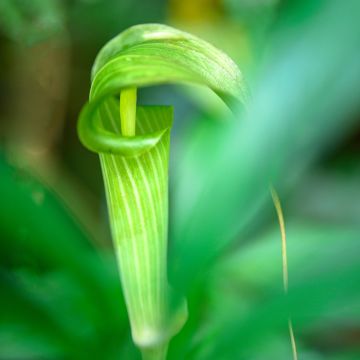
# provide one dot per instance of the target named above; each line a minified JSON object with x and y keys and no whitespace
{"x":60,"y":294}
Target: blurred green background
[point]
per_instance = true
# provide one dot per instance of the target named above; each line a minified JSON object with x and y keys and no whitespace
{"x":60,"y":295}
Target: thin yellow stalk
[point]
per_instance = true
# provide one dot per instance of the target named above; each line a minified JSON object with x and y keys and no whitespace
{"x":280,"y":216}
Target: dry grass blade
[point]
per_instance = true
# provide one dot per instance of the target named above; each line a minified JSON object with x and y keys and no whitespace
{"x":281,"y":220}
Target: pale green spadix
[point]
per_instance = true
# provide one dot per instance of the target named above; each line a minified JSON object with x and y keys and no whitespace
{"x":133,"y":143}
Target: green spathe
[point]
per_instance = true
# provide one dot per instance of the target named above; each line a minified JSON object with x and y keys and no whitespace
{"x":137,"y":196}
{"x":135,"y":160}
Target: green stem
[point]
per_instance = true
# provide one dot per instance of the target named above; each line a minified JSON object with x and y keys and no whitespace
{"x":128,"y":111}
{"x":158,"y":353}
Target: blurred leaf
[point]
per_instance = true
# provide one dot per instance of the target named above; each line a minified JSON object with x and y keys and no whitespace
{"x":324,"y":289}
{"x":32,"y":21}
{"x":39,"y":234}
{"x":107,"y":18}
{"x":302,"y":104}
{"x":20,"y":311}
{"x":328,"y":196}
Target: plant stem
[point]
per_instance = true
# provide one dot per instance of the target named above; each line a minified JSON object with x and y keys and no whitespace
{"x":128,"y":111}
{"x":158,"y":353}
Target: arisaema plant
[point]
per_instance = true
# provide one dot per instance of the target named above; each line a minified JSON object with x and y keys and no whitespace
{"x":133,"y":143}
{"x":59,"y":299}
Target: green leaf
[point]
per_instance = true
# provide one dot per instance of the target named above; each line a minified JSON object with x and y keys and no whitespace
{"x":41,"y":238}
{"x":302,"y":104}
